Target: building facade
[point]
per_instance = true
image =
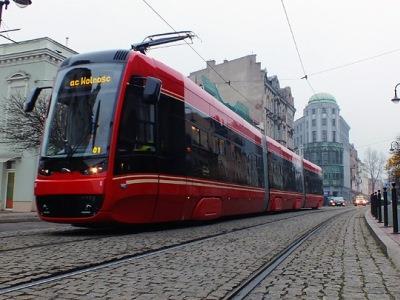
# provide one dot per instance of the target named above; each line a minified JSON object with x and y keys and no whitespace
{"x":23,"y":66}
{"x":322,"y":136}
{"x":269,"y":106}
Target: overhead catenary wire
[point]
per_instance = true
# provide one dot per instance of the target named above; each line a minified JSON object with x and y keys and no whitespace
{"x":354,"y":62}
{"x":228,"y":82}
{"x":305,"y":76}
{"x":358,"y":61}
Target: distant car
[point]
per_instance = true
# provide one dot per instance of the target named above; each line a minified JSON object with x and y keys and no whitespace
{"x":337,"y":201}
{"x":360,"y":200}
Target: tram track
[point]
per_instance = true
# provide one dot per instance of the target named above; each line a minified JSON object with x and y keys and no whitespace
{"x":90,"y":267}
{"x":248,"y":285}
{"x":100,"y":234}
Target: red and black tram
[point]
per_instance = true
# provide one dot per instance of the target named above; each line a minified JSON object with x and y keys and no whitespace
{"x":130,"y":140}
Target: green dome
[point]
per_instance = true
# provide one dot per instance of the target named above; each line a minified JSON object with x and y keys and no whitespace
{"x":322,"y":97}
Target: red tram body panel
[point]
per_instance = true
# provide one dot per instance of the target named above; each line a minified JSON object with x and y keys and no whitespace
{"x":185,"y":156}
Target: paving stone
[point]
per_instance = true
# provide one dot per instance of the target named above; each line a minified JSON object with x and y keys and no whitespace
{"x":353,"y":265}
{"x":341,"y":261}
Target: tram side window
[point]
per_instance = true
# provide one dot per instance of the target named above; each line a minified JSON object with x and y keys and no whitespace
{"x":136,"y":133}
{"x":275,"y":171}
{"x":299,"y":178}
{"x":199,"y":137}
{"x":313,"y":183}
{"x":199,"y":158}
{"x":288,"y":176}
{"x":171,"y":146}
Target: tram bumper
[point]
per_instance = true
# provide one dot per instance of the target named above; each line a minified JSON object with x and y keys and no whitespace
{"x":70,"y":201}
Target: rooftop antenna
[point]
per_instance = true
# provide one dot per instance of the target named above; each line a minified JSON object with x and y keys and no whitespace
{"x":66,"y":41}
{"x":162,"y":38}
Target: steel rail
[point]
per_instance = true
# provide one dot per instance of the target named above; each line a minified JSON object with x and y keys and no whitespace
{"x":244,"y":289}
{"x":120,"y":231}
{"x":130,"y":257}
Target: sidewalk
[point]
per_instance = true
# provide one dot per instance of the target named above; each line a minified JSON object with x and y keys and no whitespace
{"x":389,"y":241}
{"x":14,"y":217}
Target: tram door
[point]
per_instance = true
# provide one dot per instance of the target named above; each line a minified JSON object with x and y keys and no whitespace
{"x":170,"y":134}
{"x":10,"y":189}
{"x":266,"y":171}
{"x":137,"y":156}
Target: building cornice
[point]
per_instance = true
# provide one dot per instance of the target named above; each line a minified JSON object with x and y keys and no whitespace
{"x":31,"y":56}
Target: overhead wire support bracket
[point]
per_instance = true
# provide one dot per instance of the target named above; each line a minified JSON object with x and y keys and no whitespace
{"x":161,"y":39}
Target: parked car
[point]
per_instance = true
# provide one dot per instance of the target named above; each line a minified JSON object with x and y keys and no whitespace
{"x":360,"y":200}
{"x":337,"y":201}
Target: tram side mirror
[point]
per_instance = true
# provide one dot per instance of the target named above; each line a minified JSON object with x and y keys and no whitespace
{"x":152,"y":89}
{"x":29,"y":104}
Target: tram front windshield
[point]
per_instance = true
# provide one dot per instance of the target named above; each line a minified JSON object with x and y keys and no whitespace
{"x":81,"y":111}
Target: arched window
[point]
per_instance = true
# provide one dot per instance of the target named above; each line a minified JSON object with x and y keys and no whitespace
{"x":18,"y":84}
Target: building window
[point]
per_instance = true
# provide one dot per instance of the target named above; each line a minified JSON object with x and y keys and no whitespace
{"x":313,"y":122}
{"x":324,"y":110}
{"x":333,"y":122}
{"x":314,"y":136}
{"x":333,"y":136}
{"x":196,"y":135}
{"x":324,"y":158}
{"x":324,"y":135}
{"x":17,"y":88}
{"x":313,"y":111}
{"x":323,"y":122}
{"x":301,"y":140}
{"x":17,"y":85}
{"x":10,"y":165}
{"x":333,"y":111}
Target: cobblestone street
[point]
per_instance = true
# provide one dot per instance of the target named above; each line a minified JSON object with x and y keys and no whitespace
{"x":33,"y":255}
{"x":342,"y":261}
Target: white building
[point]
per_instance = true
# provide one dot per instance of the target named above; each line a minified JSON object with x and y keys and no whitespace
{"x":23,"y":66}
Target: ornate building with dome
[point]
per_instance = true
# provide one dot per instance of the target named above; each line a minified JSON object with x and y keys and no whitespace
{"x":321,"y":135}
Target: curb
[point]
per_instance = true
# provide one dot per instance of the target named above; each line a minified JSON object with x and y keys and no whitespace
{"x":18,"y":219}
{"x":389,"y":247}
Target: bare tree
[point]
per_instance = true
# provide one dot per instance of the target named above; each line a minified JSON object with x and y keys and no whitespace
{"x":21,"y":130}
{"x":393,"y":164}
{"x":374,"y":163}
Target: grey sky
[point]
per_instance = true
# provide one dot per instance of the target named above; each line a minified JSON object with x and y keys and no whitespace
{"x":329,"y":33}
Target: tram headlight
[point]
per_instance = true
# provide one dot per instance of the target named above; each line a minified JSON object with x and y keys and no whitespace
{"x":44,"y":171}
{"x":95,"y":169}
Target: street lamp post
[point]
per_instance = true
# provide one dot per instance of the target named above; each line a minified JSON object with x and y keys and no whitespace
{"x":5,"y":4}
{"x":20,"y":3}
{"x":396,"y":99}
{"x":395,"y":145}
{"x":394,"y":150}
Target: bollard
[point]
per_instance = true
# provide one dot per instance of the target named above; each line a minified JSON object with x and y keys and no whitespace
{"x":372,"y":205}
{"x":385,"y":208}
{"x":379,"y":201}
{"x":371,"y":202}
{"x":375,"y":206}
{"x":394,"y":209}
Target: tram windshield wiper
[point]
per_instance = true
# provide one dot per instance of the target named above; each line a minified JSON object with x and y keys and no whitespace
{"x":95,"y":124}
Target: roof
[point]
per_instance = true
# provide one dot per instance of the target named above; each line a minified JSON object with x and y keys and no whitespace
{"x":322,"y":97}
